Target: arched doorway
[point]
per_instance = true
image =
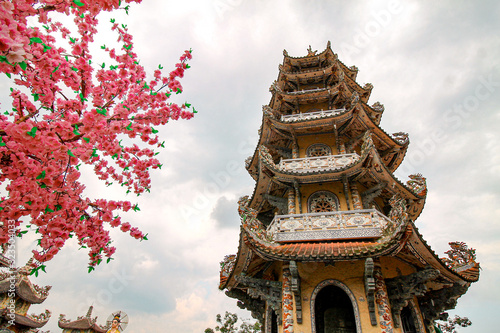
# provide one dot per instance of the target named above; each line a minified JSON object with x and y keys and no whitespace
{"x":334,"y":309}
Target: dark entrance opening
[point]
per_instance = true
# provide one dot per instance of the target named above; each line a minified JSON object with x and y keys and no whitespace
{"x":407,"y":320}
{"x":334,"y":312}
{"x":274,"y":322}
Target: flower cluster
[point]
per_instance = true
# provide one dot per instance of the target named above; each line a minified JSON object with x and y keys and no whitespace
{"x":68,"y":111}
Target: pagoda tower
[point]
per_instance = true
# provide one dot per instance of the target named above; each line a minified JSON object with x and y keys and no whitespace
{"x":328,"y":241}
{"x":17,"y":294}
{"x":84,"y":324}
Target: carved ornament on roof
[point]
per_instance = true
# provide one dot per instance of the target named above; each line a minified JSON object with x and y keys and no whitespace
{"x":268,"y":112}
{"x":227,"y":265}
{"x":459,"y":256}
{"x":248,"y":161}
{"x":354,"y":68}
{"x":401,"y":137}
{"x":398,"y":213}
{"x":368,"y":86}
{"x":367,"y":143}
{"x":379,"y":107}
{"x":310,"y":52}
{"x":41,"y":318}
{"x":62,"y":318}
{"x":418,"y":184}
{"x":249,"y":218}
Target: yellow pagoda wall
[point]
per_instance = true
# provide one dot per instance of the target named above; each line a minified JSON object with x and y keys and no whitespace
{"x":334,"y":187}
{"x":351,"y":274}
{"x":304,"y":141}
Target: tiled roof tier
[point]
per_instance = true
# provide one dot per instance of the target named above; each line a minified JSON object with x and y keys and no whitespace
{"x":369,"y":165}
{"x":82,"y":323}
{"x":26,"y":290}
{"x":321,"y":74}
{"x":26,"y":321}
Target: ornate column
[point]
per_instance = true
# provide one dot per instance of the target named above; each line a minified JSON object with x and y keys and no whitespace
{"x":287,"y":302}
{"x":382,"y":301}
{"x":291,"y":201}
{"x":356,"y":198}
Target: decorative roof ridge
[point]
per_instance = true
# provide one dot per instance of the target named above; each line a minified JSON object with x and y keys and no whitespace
{"x":82,"y":322}
{"x":441,"y":261}
{"x":41,"y":318}
{"x":400,"y":139}
{"x":310,"y":52}
{"x":416,"y":184}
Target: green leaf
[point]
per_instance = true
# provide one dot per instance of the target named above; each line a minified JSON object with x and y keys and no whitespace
{"x":78,"y":3}
{"x":94,"y":154}
{"x":153,"y":130}
{"x":78,"y":166}
{"x":124,"y":26}
{"x":127,"y":47}
{"x":75,"y":130}
{"x":168,"y":94}
{"x":109,"y":259}
{"x":8,"y":75}
{"x":35,"y":40}
{"x":35,"y":97}
{"x":42,"y":185}
{"x":194,"y":110}
{"x":187,"y":66}
{"x":41,"y":175}
{"x":114,"y":156}
{"x":23,"y":65}
{"x":112,"y":20}
{"x":91,"y":268}
{"x":129,"y":127}
{"x":72,"y":40}
{"x":6,"y":113}
{"x":29,"y":202}
{"x":1,"y":142}
{"x":179,"y":91}
{"x":145,"y":237}
{"x":46,"y":47}
{"x":160,"y":66}
{"x":48,"y":210}
{"x":159,"y":165}
{"x":103,"y":46}
{"x":74,"y":69}
{"x":70,"y":153}
{"x":187,"y":105}
{"x":104,"y":112}
{"x":58,"y":207}
{"x":136,"y":208}
{"x":43,"y":268}
{"x":162,"y":144}
{"x":55,"y":69}
{"x":32,"y":133}
{"x":86,"y":140}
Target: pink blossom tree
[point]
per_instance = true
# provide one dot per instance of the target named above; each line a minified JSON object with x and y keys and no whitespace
{"x":69,"y":111}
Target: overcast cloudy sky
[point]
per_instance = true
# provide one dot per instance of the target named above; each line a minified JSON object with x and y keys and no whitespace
{"x":433,"y":64}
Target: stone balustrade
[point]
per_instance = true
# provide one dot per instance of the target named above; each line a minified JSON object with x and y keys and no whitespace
{"x":318,"y":163}
{"x":310,"y":115}
{"x":362,"y":223}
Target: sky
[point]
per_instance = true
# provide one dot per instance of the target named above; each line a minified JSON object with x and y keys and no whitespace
{"x":434,"y":65}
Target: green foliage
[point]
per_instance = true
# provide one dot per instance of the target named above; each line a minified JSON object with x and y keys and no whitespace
{"x":228,"y":324}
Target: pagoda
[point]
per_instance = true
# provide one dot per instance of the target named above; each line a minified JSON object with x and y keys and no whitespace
{"x":17,"y":294}
{"x":328,"y":241}
{"x":83,"y":324}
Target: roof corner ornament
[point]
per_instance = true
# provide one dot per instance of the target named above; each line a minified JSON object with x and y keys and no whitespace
{"x":418,"y":184}
{"x":310,"y":52}
{"x":285,"y":53}
{"x":328,"y":45}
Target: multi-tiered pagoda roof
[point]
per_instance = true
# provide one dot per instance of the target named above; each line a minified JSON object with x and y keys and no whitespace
{"x":326,"y":192}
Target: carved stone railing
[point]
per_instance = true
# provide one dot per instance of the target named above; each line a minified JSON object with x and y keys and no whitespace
{"x":362,"y":223}
{"x":310,"y":115}
{"x":306,"y":91}
{"x":318,"y":163}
